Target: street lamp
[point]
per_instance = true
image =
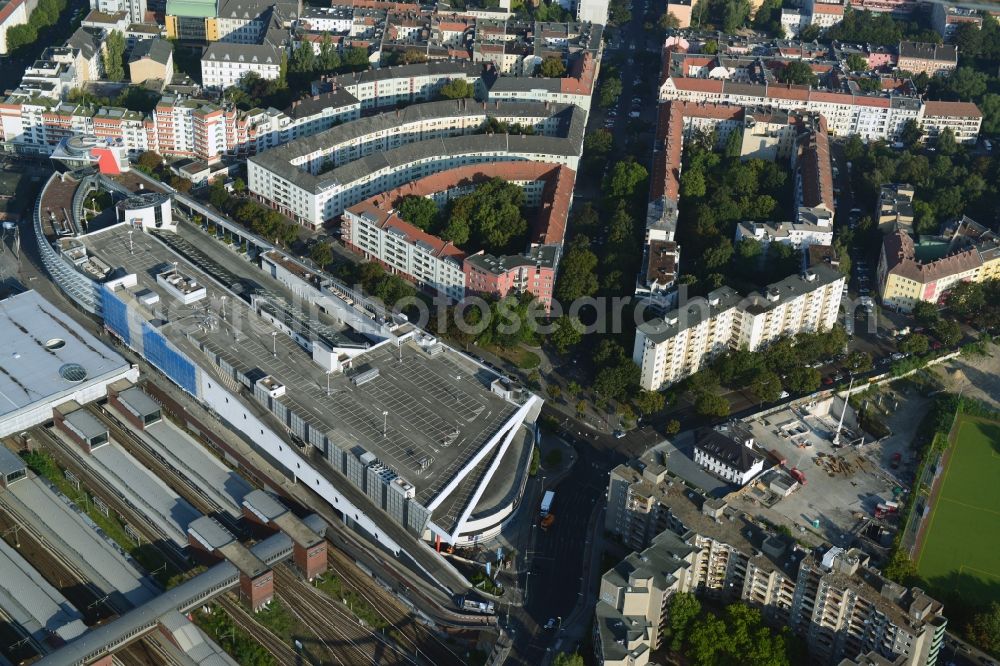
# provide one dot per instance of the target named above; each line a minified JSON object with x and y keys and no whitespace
{"x":328,"y":372}
{"x":274,"y":344}
{"x":385,"y":423}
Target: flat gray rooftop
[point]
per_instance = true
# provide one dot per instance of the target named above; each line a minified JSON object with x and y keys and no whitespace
{"x":32,"y":603}
{"x":224,"y":486}
{"x":210,"y":533}
{"x":73,"y":534}
{"x":164,"y":508}
{"x":440,"y":408}
{"x":47,"y":355}
{"x":86,"y":424}
{"x":138,"y":400}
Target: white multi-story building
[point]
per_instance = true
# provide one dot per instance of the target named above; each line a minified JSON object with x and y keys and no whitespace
{"x":676,"y":346}
{"x":224,"y":64}
{"x":136,"y":9}
{"x":727,"y":452}
{"x":314,"y":179}
{"x":799,"y":236}
{"x":872,"y":117}
{"x":337,"y":19}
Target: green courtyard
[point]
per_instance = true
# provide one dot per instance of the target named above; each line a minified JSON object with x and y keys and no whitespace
{"x":961,"y":546}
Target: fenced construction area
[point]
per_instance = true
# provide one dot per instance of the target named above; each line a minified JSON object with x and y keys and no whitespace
{"x":958,"y":551}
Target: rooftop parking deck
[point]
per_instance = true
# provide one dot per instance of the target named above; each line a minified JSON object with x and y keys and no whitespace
{"x":424,"y":411}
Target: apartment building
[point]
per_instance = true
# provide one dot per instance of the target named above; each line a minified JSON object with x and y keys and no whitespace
{"x":727,"y":451}
{"x":946,"y":19}
{"x":872,"y":117}
{"x":313,"y":180}
{"x":135,"y":10}
{"x":908,"y":273}
{"x":337,"y":19}
{"x":224,"y":64}
{"x":824,"y":13}
{"x":930,"y":59}
{"x":389,"y":87}
{"x":831,"y":598}
{"x":799,"y":236}
{"x":963,"y":118}
{"x":680,"y":343}
{"x":895,"y":208}
{"x":373,"y":229}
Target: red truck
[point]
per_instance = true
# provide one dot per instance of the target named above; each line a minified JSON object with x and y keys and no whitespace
{"x":798,"y":475}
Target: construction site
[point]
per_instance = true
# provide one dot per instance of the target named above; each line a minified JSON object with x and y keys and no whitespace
{"x":824,"y":483}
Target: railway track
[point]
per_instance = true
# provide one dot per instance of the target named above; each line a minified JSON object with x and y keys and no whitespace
{"x":282,"y":653}
{"x":329,"y":619}
{"x":416,"y":637}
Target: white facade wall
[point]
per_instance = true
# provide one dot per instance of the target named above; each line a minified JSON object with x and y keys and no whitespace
{"x":443,"y":274}
{"x":226,"y":73}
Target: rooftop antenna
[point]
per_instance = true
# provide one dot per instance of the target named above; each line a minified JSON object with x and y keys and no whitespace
{"x":843,"y":412}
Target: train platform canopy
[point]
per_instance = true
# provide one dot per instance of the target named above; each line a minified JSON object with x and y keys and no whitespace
{"x":49,"y":359}
{"x":215,"y":538}
{"x":270,"y":510}
{"x":33,"y":604}
{"x":12,"y":468}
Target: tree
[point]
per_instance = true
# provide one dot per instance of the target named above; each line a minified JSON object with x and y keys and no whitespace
{"x":609,"y":93}
{"x":711,"y":405}
{"x":926,"y":314}
{"x":797,"y":72}
{"x":947,"y":331}
{"x":693,"y":183}
{"x":984,"y":630}
{"x":858,"y":361}
{"x":552,"y":68}
{"x":457,"y":89}
{"x":914,"y":344}
{"x":945,"y":143}
{"x":149,"y":161}
{"x":566,"y":659}
{"x":967,"y":299}
{"x":911,"y":133}
{"x":801,"y":380}
{"x":668,"y":21}
{"x":577,"y":277}
{"x":766,"y":386}
{"x":568,"y":333}
{"x":900,"y":568}
{"x":114,"y":56}
{"x":856,"y":63}
{"x":322,"y":254}
{"x":810,"y":33}
{"x":967,"y":83}
{"x":303,"y":60}
{"x":735,"y":14}
{"x":625,"y":178}
{"x":419,"y":211}
{"x":734,"y":144}
{"x":672,"y":427}
{"x":989,"y":105}
{"x":649,"y":402}
{"x":682,"y":610}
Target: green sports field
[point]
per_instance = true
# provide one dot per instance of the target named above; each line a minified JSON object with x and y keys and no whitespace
{"x":961,"y":549}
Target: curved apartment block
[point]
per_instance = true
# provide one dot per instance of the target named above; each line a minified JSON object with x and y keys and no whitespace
{"x":314,"y":179}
